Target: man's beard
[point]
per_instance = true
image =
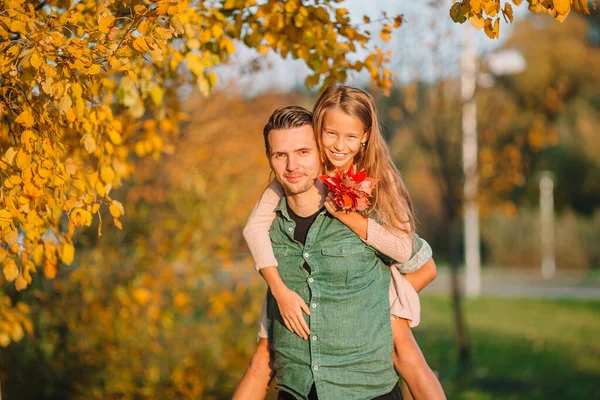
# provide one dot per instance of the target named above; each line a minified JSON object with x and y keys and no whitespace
{"x":292,"y":190}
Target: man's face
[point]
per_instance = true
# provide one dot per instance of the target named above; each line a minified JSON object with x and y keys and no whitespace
{"x":294,"y":158}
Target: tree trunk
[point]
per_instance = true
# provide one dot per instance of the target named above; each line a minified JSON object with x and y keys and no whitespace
{"x":462,"y":335}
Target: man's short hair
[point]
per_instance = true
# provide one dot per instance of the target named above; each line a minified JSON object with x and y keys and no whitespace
{"x":289,"y":117}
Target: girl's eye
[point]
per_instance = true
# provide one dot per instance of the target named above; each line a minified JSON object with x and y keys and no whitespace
{"x":331,"y":133}
{"x":352,"y":137}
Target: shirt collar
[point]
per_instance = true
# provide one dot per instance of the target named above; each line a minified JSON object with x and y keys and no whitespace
{"x":282,"y":208}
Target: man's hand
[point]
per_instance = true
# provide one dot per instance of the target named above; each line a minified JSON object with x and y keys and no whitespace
{"x":291,"y":306}
{"x":355,"y":221}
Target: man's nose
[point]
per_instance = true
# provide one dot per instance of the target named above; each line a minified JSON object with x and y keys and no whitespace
{"x":292,"y":163}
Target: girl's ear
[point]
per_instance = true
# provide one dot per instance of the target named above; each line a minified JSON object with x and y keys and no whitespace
{"x":366,"y":136}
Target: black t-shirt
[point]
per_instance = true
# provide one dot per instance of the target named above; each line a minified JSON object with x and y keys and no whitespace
{"x":302,"y":226}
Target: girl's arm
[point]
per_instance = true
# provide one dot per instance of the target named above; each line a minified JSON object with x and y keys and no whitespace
{"x":418,"y":266}
{"x":256,"y":233}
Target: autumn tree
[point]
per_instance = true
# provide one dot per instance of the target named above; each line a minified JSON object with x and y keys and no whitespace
{"x":87,"y":87}
{"x":487,"y":14}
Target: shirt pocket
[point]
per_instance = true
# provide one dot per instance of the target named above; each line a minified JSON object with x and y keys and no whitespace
{"x":280,"y":252}
{"x":340,"y":259}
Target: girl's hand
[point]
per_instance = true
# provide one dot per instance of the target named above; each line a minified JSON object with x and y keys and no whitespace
{"x":355,"y":221}
{"x":291,"y":306}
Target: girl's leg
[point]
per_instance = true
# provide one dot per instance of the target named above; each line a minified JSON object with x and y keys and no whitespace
{"x":411,"y":365}
{"x":255,"y":382}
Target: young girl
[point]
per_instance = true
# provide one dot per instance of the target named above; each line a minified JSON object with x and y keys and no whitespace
{"x":345,"y":123}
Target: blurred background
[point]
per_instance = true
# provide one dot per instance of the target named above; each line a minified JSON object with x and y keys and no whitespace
{"x":168,"y":307}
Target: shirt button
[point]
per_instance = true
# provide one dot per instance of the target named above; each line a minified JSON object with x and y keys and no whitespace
{"x":290,"y":229}
{"x":314,"y":305}
{"x":314,"y":338}
{"x":315,"y":367}
{"x":306,"y":255}
{"x":311,"y":280}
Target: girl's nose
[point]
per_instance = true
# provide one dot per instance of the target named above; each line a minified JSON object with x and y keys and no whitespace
{"x":339,"y":144}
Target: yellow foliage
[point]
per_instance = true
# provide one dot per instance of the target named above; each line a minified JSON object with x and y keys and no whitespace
{"x":80,"y":83}
{"x":481,"y":13}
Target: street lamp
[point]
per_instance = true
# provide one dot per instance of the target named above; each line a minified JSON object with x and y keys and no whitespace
{"x":503,"y":62}
{"x":547,"y":225}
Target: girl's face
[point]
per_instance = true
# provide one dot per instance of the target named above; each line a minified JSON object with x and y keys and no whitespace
{"x":342,"y":138}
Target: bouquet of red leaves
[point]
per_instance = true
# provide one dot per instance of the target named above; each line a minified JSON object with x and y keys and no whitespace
{"x":350,"y":190}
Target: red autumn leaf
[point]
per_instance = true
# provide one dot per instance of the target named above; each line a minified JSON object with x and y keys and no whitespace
{"x":350,"y":190}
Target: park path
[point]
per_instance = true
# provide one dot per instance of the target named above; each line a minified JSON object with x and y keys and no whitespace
{"x":526,"y":283}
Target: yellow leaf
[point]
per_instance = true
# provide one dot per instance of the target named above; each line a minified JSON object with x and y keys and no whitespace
{"x":28,"y":139}
{"x":23,"y":159}
{"x":65,"y":103}
{"x":94,"y":69}
{"x":43,"y":172}
{"x":11,"y":237}
{"x":475,"y":5}
{"x":114,"y":136}
{"x":6,"y":218}
{"x":133,"y":77}
{"x":311,"y":81}
{"x":20,"y":284}
{"x":477,"y":21}
{"x":70,"y":166}
{"x":107,"y":174}
{"x":118,"y":223}
{"x":217,"y":31}
{"x":386,"y":33}
{"x":71,"y":117}
{"x":10,"y":270}
{"x":491,"y":7}
{"x":25,"y":119}
{"x":141,"y":296}
{"x":139,"y":43}
{"x":67,"y":253}
{"x":105,"y":23}
{"x":562,"y":7}
{"x":116,"y":209}
{"x":35,"y":61}
{"x":3,"y":254}
{"x":497,"y":27}
{"x":81,"y":217}
{"x":398,"y":21}
{"x":508,"y":12}
{"x":76,"y":90}
{"x":4,"y":339}
{"x":19,"y":27}
{"x":89,"y":143}
{"x":50,"y":270}
{"x":10,"y":155}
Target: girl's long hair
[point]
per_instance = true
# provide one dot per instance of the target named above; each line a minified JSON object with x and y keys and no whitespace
{"x":392,"y":204}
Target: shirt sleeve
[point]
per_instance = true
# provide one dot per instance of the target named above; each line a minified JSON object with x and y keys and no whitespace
{"x":420,"y":255}
{"x":396,"y":246}
{"x":256,"y":231}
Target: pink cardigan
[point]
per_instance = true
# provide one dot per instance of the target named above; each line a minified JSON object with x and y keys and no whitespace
{"x":404,"y":300}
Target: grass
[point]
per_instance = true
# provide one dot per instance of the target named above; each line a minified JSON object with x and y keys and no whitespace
{"x":521,"y":349}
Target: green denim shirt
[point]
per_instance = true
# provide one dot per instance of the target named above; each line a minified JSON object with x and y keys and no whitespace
{"x":349,"y":352}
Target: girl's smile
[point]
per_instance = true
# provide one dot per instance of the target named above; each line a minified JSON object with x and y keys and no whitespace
{"x":342,"y":136}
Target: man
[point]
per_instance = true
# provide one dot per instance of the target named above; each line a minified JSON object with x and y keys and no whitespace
{"x":349,"y":351}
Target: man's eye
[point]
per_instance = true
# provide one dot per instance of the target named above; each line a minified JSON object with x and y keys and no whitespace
{"x":303,"y":152}
{"x":278,"y":155}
